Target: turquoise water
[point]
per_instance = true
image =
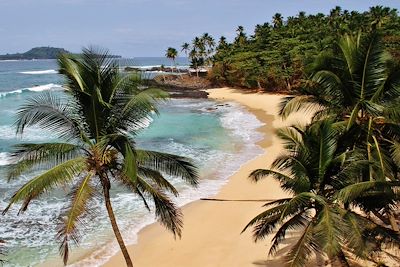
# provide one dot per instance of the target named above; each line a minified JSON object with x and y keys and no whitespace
{"x":210,"y":133}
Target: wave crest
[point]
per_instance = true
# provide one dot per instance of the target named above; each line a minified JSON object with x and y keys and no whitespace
{"x":39,"y":72}
{"x":4,"y":158}
{"x":38,"y":88}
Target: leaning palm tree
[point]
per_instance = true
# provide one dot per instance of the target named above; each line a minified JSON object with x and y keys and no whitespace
{"x":313,"y":170}
{"x":104,"y":112}
{"x":171,"y":53}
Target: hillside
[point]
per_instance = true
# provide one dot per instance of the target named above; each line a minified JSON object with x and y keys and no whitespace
{"x":36,"y":53}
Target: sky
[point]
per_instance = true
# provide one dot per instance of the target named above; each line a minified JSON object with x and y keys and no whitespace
{"x":143,"y":27}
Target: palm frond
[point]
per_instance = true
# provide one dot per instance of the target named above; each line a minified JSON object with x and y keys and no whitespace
{"x":328,"y":230}
{"x":396,"y":152}
{"x":132,"y":111}
{"x":47,"y":155}
{"x":302,"y":250}
{"x":49,"y":113}
{"x":304,"y":103}
{"x":166,"y":211}
{"x":68,"y":230}
{"x":265,"y":222}
{"x":348,"y":47}
{"x":130,"y":163}
{"x":327,"y":146}
{"x":59,"y":175}
{"x":354,"y":191}
{"x":300,"y":202}
{"x":170,"y":164}
{"x":291,"y":136}
{"x":158,"y":179}
{"x":298,"y":220}
{"x":372,"y":66}
{"x":331,"y":85}
{"x":69,"y":67}
{"x":132,"y":185}
{"x":259,"y":174}
{"x":354,"y":234}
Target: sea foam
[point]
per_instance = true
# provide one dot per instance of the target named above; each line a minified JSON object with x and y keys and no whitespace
{"x":38,"y":88}
{"x":4,"y":158}
{"x":39,"y":72}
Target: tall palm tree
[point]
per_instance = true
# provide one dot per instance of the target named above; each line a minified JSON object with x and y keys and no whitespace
{"x":313,"y":169}
{"x":241,"y":37}
{"x":209,"y":44}
{"x":360,"y":87}
{"x":185,"y":48}
{"x":197,"y":53}
{"x":277,"y":20}
{"x":171,"y":53}
{"x":104,"y":112}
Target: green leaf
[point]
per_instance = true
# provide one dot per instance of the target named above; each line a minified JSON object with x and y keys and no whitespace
{"x":301,"y":251}
{"x":57,"y":176}
{"x":68,"y":230}
{"x":170,"y":164}
{"x":49,"y":113}
{"x":28,"y":156}
{"x":166,"y":211}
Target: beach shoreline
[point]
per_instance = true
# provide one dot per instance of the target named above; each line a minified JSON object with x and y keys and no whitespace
{"x":212,"y":229}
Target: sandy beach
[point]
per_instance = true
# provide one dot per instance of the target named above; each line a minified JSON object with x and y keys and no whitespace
{"x":212,"y":229}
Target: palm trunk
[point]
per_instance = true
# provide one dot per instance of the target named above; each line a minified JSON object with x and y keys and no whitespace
{"x":114,"y":225}
{"x":342,"y":259}
{"x":177,"y":70}
{"x":259,"y":84}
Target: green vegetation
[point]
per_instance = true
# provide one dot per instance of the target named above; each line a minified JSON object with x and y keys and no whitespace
{"x":275,"y":56}
{"x":36,"y":53}
{"x":103,"y":115}
{"x":342,"y":170}
{"x":171,"y":53}
{"x":200,"y":51}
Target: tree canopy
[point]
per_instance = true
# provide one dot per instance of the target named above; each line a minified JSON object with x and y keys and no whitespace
{"x":275,"y":56}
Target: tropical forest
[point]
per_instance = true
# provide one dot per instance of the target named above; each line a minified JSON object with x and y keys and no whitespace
{"x":279,"y":54}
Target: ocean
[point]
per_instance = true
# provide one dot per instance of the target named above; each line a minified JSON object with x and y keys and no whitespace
{"x":219,"y":137}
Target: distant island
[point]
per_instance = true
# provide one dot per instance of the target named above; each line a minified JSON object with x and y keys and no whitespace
{"x":44,"y":52}
{"x":36,"y":53}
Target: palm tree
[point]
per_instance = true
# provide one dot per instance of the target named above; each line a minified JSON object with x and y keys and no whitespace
{"x":104,"y":112}
{"x":361,"y":88}
{"x":277,"y":20}
{"x":313,"y":170}
{"x":241,"y":38}
{"x":171,"y":53}
{"x":379,"y":16}
{"x":209,"y":44}
{"x":185,"y":48}
{"x":359,"y":84}
{"x":197,"y":53}
{"x":222,"y":44}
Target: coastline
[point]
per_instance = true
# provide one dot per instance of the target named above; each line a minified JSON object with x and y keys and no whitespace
{"x":211,"y":234}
